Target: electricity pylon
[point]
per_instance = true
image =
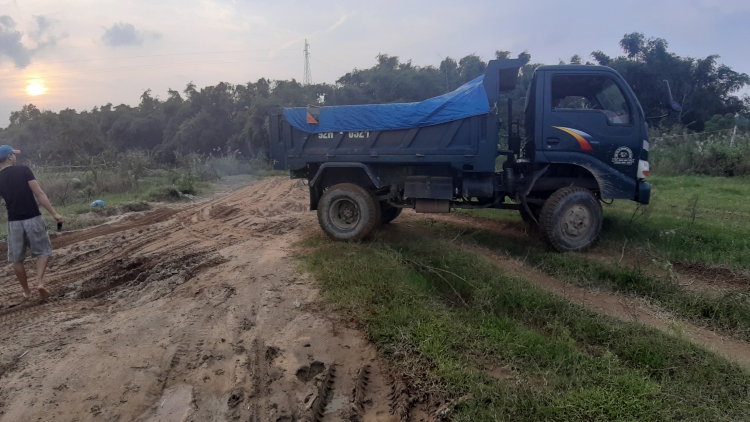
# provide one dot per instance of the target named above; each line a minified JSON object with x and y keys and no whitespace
{"x":307,"y":79}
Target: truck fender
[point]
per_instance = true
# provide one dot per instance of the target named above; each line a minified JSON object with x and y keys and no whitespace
{"x":612,"y":183}
{"x":368,"y":171}
{"x":316,"y":183}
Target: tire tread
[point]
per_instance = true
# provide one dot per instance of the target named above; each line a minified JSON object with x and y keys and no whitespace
{"x":548,"y":226}
{"x":354,"y":190}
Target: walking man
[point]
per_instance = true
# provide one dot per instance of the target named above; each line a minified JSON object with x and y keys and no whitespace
{"x":26,"y":228}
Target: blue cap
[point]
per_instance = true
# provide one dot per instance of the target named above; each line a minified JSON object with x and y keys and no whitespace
{"x":6,"y":150}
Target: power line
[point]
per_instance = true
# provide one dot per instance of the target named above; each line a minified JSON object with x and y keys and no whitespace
{"x":307,"y":79}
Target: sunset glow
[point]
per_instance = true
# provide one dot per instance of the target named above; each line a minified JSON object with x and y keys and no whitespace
{"x":36,"y":88}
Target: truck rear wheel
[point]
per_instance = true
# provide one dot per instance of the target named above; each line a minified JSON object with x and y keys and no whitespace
{"x":348,"y":212}
{"x":571,"y":219}
{"x":388,"y":213}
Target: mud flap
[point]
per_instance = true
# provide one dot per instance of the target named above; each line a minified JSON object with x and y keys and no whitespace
{"x":644,"y":193}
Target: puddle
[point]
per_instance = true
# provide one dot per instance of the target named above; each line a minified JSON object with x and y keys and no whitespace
{"x":336,"y":404}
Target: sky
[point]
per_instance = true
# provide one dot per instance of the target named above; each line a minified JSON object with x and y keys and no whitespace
{"x":85,"y":53}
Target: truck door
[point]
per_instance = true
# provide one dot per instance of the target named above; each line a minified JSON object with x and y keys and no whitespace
{"x":590,"y":120}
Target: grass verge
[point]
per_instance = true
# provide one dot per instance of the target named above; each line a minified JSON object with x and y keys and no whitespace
{"x":728,"y":311}
{"x":449,"y":317}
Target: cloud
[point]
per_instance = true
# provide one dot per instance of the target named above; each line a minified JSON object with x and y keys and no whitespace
{"x":340,"y":22}
{"x":10,"y":43}
{"x":42,"y":35}
{"x":43,"y":24}
{"x":122,"y":33}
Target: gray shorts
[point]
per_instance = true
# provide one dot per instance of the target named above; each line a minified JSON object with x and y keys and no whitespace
{"x":31,"y":233}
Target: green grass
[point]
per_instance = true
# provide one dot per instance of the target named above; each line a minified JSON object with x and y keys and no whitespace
{"x":728,"y":311}
{"x":718,"y":235}
{"x":691,"y":218}
{"x":447,"y":316}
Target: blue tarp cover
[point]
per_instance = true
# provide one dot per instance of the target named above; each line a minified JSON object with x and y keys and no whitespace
{"x":468,"y":100}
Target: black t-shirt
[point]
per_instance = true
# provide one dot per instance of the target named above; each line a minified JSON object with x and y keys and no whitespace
{"x":15,"y":190}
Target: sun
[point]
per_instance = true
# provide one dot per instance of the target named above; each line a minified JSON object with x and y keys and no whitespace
{"x":36,"y":88}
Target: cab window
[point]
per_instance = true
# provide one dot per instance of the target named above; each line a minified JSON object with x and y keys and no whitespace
{"x":590,"y":92}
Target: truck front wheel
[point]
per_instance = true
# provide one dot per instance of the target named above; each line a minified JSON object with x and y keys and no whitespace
{"x":348,"y":212}
{"x":571,"y":219}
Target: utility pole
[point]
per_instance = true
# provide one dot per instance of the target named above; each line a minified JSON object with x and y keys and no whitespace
{"x":307,"y":79}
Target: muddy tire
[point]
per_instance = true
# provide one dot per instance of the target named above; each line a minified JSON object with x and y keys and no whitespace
{"x":388,"y":213}
{"x":571,"y":219}
{"x":348,"y":212}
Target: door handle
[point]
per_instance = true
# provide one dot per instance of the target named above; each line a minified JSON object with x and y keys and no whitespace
{"x":552,"y":141}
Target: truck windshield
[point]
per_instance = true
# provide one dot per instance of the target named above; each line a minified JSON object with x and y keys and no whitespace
{"x":590,"y":92}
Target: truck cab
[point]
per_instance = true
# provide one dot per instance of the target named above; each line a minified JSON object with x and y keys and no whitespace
{"x":587,"y":116}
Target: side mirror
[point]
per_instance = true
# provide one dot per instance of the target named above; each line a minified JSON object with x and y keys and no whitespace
{"x":674,"y":105}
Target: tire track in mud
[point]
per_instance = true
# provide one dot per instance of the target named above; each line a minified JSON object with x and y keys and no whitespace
{"x":139,"y":270}
{"x":65,"y":270}
{"x":147,"y":219}
{"x":31,"y":313}
{"x":105,"y":265}
{"x":258,"y":380}
{"x":238,"y":355}
{"x":316,"y":407}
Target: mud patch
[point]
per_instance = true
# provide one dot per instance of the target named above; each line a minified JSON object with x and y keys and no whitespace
{"x":235,"y":397}
{"x":308,"y":372}
{"x":713,"y":276}
{"x":146,"y":269}
{"x":222,"y":211}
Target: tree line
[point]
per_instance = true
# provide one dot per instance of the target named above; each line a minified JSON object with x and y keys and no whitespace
{"x":228,"y":118}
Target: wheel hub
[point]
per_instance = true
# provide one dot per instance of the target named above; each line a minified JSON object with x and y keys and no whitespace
{"x":344,"y":213}
{"x":576,"y":222}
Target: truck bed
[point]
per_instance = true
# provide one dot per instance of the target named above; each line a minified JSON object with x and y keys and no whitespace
{"x":467,"y":144}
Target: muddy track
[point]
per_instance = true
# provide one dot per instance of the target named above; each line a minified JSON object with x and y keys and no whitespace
{"x":185,"y":314}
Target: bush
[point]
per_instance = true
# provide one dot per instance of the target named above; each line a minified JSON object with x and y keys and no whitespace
{"x":132,"y":166}
{"x":136,"y":206}
{"x":164,"y":193}
{"x":184,"y":181}
{"x":679,"y":152}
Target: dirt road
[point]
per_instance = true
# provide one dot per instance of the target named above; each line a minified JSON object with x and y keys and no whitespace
{"x":191,"y":314}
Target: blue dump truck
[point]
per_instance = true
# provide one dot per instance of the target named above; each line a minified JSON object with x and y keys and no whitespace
{"x":585,"y":140}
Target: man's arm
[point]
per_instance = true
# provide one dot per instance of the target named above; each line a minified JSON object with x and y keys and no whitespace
{"x":41,"y":197}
